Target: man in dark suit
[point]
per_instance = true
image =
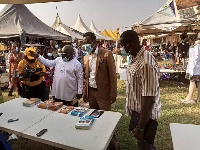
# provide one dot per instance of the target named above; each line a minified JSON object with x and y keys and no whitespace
{"x":100,"y":81}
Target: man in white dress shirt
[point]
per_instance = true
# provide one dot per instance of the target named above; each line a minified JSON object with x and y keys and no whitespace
{"x":68,"y":76}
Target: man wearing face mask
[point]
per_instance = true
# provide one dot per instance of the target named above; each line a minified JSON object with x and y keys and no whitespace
{"x":142,"y":92}
{"x":59,"y":52}
{"x":68,"y":76}
{"x":31,"y":73}
{"x":14,"y":58}
{"x":100,"y":86}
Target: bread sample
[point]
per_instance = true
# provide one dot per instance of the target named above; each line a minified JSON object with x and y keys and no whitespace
{"x":66,"y":109}
{"x":42,"y":105}
{"x":31,"y":102}
{"x":55,"y":106}
{"x":34,"y":99}
{"x":45,"y":104}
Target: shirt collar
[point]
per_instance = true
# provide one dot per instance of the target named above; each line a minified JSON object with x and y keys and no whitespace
{"x":96,"y":51}
{"x":140,"y":53}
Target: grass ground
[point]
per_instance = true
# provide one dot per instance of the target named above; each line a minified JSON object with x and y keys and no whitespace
{"x":173,"y":111}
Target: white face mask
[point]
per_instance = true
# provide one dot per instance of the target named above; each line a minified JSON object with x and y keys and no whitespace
{"x":59,"y":54}
{"x":49,"y":54}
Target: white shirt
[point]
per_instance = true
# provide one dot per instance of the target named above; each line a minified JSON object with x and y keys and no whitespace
{"x":76,"y":52}
{"x":193,"y":67}
{"x":68,"y":77}
{"x":92,"y":68}
{"x":118,"y":63}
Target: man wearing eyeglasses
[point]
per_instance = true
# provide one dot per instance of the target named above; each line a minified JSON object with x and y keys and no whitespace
{"x":142,"y":92}
{"x":68,"y":76}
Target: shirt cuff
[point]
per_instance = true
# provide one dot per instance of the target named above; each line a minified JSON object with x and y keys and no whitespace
{"x":80,"y":91}
{"x":40,"y":57}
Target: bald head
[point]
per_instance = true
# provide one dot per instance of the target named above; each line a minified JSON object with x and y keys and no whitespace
{"x":68,"y":52}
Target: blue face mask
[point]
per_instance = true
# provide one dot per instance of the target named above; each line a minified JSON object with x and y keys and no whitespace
{"x":65,"y":59}
{"x":123,"y":52}
{"x":16,"y":48}
{"x":56,"y":46}
{"x":49,"y":54}
{"x":88,"y":48}
{"x":74,"y":44}
{"x":59,"y":54}
{"x":85,"y":53}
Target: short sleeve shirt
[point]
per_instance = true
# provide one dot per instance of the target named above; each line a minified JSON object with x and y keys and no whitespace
{"x":143,"y":80}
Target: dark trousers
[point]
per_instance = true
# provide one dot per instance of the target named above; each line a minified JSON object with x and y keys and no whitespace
{"x":142,"y":145}
{"x":67,"y":103}
{"x":47,"y":92}
{"x":37,"y":91}
{"x":100,"y":104}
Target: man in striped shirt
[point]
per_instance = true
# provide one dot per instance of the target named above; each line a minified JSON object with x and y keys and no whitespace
{"x":142,"y":87}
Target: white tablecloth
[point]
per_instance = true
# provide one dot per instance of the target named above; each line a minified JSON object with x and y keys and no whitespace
{"x":61,"y":127}
{"x":185,"y":136}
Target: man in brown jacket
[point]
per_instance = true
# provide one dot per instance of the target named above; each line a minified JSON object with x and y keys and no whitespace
{"x":100,"y":81}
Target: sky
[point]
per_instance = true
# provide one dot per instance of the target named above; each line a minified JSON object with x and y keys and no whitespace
{"x":105,"y":14}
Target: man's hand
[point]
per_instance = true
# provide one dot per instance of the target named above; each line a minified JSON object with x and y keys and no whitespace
{"x":85,"y":99}
{"x":48,"y":72}
{"x":112,"y":99}
{"x":186,"y":75}
{"x":35,"y":55}
{"x":78,"y":96}
{"x":138,"y":134}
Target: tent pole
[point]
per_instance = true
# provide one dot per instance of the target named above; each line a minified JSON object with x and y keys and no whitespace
{"x":23,"y":40}
{"x":116,"y":48}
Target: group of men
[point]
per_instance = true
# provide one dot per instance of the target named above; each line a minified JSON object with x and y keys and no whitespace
{"x":96,"y":80}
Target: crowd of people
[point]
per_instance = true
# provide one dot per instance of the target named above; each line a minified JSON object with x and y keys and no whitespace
{"x":76,"y":71}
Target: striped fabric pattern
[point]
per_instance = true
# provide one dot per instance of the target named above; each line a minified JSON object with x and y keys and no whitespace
{"x":143,"y":80}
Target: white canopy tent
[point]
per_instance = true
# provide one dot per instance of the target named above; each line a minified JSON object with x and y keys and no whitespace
{"x":61,"y":27}
{"x":166,"y":19}
{"x":96,"y":31}
{"x":80,"y":26}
